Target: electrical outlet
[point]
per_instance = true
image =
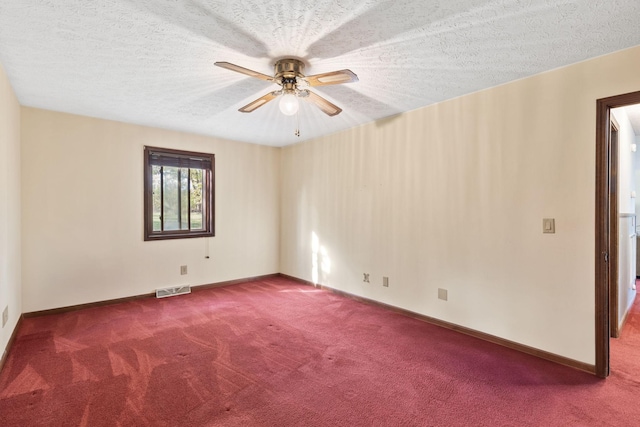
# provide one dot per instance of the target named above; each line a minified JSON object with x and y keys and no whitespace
{"x":5,"y":316}
{"x":385,"y":282}
{"x":442,"y":294}
{"x":183,"y":270}
{"x":366,"y":277}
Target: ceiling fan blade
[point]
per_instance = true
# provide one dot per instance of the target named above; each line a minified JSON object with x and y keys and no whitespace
{"x":258,"y":102}
{"x":326,"y":106}
{"x":332,"y":78}
{"x":242,"y":70}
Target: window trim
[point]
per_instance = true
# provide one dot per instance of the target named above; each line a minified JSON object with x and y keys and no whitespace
{"x":208,"y":220}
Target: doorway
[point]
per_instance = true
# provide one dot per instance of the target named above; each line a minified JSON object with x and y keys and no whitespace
{"x":606,"y":248}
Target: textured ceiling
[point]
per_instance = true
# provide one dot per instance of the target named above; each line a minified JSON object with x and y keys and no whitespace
{"x":151,"y":62}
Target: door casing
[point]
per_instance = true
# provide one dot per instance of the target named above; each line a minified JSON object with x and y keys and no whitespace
{"x":606,"y":223}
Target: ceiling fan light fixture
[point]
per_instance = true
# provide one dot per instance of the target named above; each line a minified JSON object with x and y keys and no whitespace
{"x":288,"y":73}
{"x":289,"y":104}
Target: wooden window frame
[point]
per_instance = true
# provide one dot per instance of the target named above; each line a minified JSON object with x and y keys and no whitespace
{"x":208,"y":184}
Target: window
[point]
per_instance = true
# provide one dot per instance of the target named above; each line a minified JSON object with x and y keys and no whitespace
{"x":178,"y":194}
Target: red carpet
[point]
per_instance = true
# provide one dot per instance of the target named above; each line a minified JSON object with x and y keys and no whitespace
{"x":276,"y":353}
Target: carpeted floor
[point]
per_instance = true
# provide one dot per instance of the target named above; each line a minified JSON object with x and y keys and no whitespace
{"x":277,"y":353}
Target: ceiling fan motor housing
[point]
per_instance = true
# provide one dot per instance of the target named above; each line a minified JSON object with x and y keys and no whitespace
{"x":288,"y":70}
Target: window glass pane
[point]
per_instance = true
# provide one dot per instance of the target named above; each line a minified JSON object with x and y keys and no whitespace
{"x":184,"y":199}
{"x":170,"y":199}
{"x":197,"y":202}
{"x":155,"y":195}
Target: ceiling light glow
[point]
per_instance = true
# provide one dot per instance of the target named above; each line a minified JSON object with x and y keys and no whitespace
{"x":289,"y":104}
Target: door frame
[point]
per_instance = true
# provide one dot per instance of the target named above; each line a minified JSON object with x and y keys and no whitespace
{"x":606,"y":222}
{"x":614,"y":227}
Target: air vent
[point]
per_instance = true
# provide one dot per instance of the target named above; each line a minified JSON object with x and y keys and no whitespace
{"x":176,"y":290}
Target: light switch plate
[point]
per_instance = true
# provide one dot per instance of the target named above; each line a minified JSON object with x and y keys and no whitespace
{"x":548,"y":225}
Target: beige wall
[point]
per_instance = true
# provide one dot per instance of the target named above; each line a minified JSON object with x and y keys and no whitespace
{"x":10,"y":259}
{"x":453,"y":195}
{"x":82,"y":220}
{"x":626,"y":162}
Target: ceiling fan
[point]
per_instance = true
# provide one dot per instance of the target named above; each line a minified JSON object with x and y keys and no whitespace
{"x":288,"y":74}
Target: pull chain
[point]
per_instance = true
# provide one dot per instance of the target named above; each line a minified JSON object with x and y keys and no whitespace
{"x":297,"y":131}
